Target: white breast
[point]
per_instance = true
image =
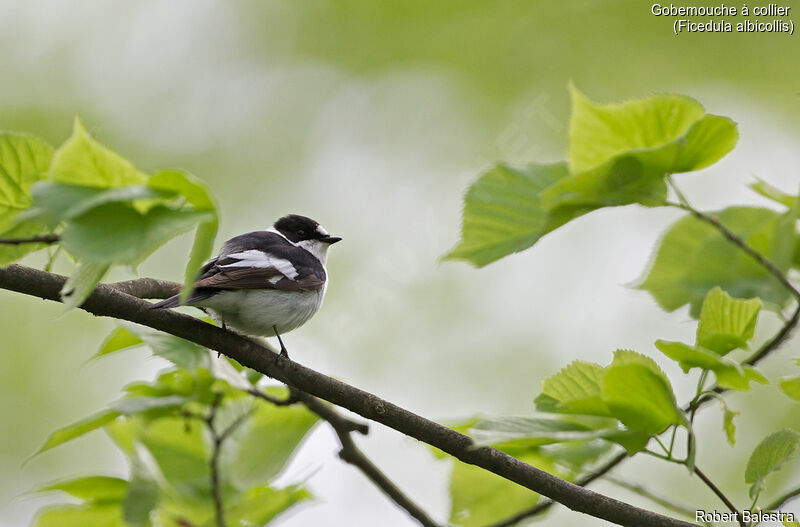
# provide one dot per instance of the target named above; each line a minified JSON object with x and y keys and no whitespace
{"x":255,"y":311}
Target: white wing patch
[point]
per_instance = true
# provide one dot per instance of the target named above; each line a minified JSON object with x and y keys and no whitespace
{"x":260,"y":259}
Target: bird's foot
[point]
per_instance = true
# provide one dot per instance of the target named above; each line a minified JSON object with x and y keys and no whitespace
{"x":284,"y":352}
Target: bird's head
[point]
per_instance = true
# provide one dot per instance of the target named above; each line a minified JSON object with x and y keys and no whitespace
{"x":306,"y":233}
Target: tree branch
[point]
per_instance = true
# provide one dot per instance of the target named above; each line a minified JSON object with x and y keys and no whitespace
{"x":44,"y":238}
{"x":148,"y":288}
{"x":108,"y":301}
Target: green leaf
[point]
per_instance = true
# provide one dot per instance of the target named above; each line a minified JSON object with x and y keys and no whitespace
{"x":82,"y":282}
{"x":481,"y":498}
{"x":729,"y":374}
{"x":180,"y":449}
{"x":260,"y":505}
{"x":763,"y":188}
{"x":728,"y":425}
{"x":693,"y":356}
{"x":503,"y":212}
{"x":91,"y":488}
{"x":118,"y":340}
{"x":623,"y":180}
{"x":105,"y":514}
{"x":198,"y":194}
{"x":599,"y":132}
{"x":693,"y":258}
{"x":576,"y":389}
{"x":639,"y":394}
{"x":739,"y":378}
{"x":770,"y":454}
{"x":181,"y":352}
{"x":791,"y":387}
{"x":81,"y":160}
{"x":246,"y":461}
{"x":117,"y":233}
{"x":77,"y":429}
{"x":671,"y":133}
{"x":23,"y":161}
{"x":55,"y":203}
{"x":535,"y":430}
{"x":141,"y":498}
{"x":726,"y":323}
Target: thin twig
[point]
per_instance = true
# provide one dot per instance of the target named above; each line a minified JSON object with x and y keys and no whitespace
{"x":44,"y":238}
{"x":216,"y":490}
{"x":782,"y":500}
{"x":710,"y":484}
{"x":350,"y":453}
{"x":650,"y":495}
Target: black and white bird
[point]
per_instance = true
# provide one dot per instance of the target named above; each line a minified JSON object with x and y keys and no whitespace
{"x":265,"y":283}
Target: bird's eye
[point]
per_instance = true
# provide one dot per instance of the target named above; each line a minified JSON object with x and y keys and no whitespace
{"x":301,"y":232}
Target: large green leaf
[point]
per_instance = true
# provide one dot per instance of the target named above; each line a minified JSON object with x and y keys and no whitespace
{"x":621,"y":153}
{"x":693,"y":257}
{"x":576,"y":389}
{"x":668,"y":133}
{"x":248,"y":460}
{"x":118,"y":233}
{"x":639,"y":394}
{"x":77,"y":429}
{"x":24,"y":159}
{"x":198,"y":194}
{"x":81,"y":160}
{"x":503,"y":212}
{"x":623,"y":180}
{"x":726,"y":323}
{"x":481,"y":498}
{"x":769,"y":455}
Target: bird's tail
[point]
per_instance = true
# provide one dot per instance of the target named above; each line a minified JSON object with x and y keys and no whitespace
{"x":172,"y":301}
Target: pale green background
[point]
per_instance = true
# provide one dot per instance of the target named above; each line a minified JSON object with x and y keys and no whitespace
{"x":373,"y":117}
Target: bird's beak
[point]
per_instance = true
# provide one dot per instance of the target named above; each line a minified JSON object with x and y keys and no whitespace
{"x":330,"y":240}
